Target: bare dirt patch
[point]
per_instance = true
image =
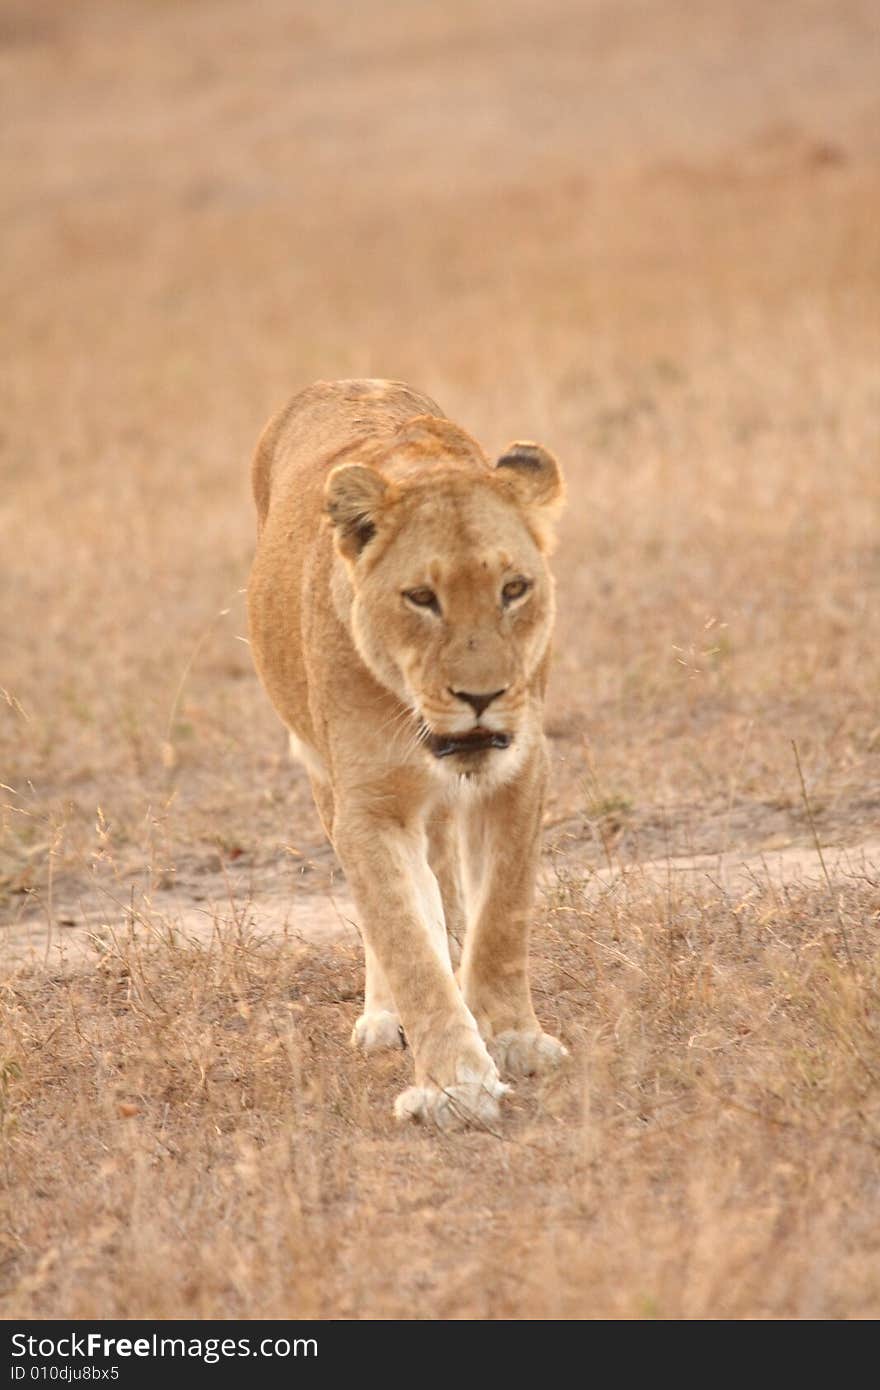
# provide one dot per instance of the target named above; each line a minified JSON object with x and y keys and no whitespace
{"x":279,"y":905}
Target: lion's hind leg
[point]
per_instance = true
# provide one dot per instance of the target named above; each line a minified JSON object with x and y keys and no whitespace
{"x":444,"y":857}
{"x":379,"y":1025}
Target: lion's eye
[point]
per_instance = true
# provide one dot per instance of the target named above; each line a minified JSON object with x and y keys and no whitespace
{"x":514,"y":589}
{"x":422,"y":598}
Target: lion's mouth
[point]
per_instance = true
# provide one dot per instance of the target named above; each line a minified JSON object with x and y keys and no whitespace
{"x":474,"y":741}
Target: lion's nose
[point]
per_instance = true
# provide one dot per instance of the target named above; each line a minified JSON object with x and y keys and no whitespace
{"x":477,"y":702}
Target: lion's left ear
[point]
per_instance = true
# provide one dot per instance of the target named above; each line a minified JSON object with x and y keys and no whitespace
{"x":532,"y":474}
{"x":538,"y":481}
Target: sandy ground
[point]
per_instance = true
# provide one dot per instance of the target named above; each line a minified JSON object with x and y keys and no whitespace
{"x":303,"y":912}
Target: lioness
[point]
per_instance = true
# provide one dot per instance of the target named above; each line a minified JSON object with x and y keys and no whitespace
{"x":401,"y":610}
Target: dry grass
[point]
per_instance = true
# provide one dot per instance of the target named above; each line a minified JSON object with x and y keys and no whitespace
{"x":646,"y":237}
{"x":195,"y":1137}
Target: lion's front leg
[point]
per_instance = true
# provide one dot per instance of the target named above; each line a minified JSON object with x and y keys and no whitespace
{"x":401,"y":920}
{"x":502,"y":846}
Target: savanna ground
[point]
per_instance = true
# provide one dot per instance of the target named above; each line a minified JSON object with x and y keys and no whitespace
{"x":645,"y":234}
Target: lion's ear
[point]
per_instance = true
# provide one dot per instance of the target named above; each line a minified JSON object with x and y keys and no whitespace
{"x":533,"y":476}
{"x":535,"y":473}
{"x":354,"y":495}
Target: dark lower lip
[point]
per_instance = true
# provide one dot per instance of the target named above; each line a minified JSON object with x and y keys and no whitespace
{"x":476,"y":741}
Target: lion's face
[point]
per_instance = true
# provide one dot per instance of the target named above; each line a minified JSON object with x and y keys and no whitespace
{"x":452,"y":601}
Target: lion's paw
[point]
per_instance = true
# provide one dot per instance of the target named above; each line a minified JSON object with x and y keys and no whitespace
{"x":524,"y":1052}
{"x":372,"y":1032}
{"x":469,"y":1103}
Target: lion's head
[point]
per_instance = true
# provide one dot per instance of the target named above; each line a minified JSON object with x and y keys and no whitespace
{"x":451,"y":599}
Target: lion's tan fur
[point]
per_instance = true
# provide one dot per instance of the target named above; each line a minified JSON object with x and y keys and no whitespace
{"x":366,"y":494}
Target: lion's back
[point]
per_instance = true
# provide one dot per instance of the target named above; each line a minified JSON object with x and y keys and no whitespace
{"x":319,"y":423}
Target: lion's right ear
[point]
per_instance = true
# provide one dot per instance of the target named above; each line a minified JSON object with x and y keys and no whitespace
{"x":354,"y":495}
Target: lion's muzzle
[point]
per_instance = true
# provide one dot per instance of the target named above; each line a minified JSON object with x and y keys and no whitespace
{"x":476,"y":740}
